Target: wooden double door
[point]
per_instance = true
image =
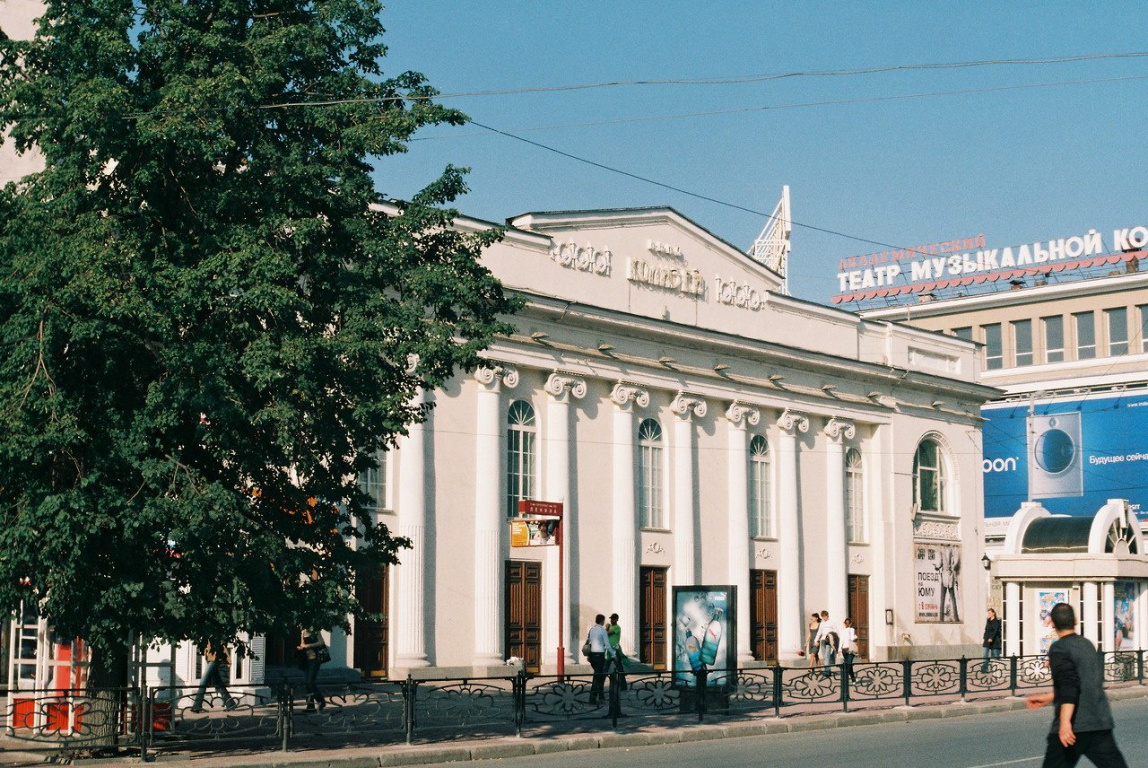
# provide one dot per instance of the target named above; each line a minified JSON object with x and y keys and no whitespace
{"x":763,"y":615}
{"x":372,"y":636}
{"x":522,"y":595}
{"x":859,"y":612}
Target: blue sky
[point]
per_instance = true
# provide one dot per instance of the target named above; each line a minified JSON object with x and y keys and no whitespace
{"x":884,"y":163}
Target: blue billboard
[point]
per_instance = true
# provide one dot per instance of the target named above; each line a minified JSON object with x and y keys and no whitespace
{"x":1072,"y":454}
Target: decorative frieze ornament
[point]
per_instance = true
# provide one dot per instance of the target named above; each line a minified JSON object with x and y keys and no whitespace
{"x":935,"y":529}
{"x":496,"y":374}
{"x":793,"y":421}
{"x":764,"y":554}
{"x":625,"y":393}
{"x":687,"y":406}
{"x":654,"y":548}
{"x":740,"y":414}
{"x":561,"y":384}
{"x":837,"y":429}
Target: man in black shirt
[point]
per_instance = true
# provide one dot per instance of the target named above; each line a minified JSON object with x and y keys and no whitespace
{"x":1082,"y":724}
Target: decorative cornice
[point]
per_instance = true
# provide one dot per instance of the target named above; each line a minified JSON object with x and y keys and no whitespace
{"x":625,"y":393}
{"x":740,"y":414}
{"x":840,"y":430}
{"x":686,"y":406}
{"x":559,"y":384}
{"x":792,"y":421}
{"x":936,"y":529}
{"x":493,"y":376}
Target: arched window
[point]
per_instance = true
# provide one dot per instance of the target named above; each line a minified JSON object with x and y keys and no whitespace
{"x":521,"y":433}
{"x":373,"y":482}
{"x":854,"y":496}
{"x":929,"y":481}
{"x":650,"y":474}
{"x":760,"y":511}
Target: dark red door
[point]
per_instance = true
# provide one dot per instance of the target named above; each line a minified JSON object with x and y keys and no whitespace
{"x":859,"y":612}
{"x":763,"y":615}
{"x":653,"y":610}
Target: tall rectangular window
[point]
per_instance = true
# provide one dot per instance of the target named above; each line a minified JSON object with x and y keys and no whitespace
{"x":760,"y":518}
{"x":1085,"y":335}
{"x":1022,"y":341}
{"x":1117,"y":322}
{"x":854,"y":496}
{"x":650,"y":474}
{"x":1053,"y":339}
{"x":373,"y":482}
{"x":965,"y":333}
{"x":994,"y":353}
{"x":1142,"y":345}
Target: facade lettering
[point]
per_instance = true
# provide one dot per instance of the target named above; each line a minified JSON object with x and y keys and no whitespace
{"x":583,"y":259}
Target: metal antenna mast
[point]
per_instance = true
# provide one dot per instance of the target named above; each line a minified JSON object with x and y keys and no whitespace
{"x":772,"y":246}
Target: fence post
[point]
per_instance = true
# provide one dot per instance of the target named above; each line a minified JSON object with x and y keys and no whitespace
{"x":286,"y":697}
{"x":519,"y":701}
{"x":964,"y":678}
{"x":700,"y":680}
{"x":845,"y":687}
{"x":143,"y":719}
{"x":1012,"y":674}
{"x":907,"y":672}
{"x":1140,"y":667}
{"x":778,"y":676}
{"x":615,"y":698}
{"x":409,"y":693}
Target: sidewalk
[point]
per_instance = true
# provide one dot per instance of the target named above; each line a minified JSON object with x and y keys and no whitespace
{"x":645,"y":733}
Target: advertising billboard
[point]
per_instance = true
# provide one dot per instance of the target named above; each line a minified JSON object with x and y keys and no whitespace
{"x":1072,"y":454}
{"x":1045,"y":600}
{"x":938,"y":583}
{"x":705,"y":634}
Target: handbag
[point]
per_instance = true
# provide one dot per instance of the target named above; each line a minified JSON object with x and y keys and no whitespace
{"x":323,"y":654}
{"x":586,"y":647}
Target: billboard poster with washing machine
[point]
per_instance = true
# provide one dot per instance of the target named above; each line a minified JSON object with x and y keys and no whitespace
{"x":1072,"y":454}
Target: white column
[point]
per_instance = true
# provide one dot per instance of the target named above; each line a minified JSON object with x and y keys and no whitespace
{"x":562,"y":388}
{"x":1012,"y":619}
{"x":685,"y":407}
{"x":1107,"y":616}
{"x":1141,"y":615}
{"x":410,"y":632}
{"x":1089,"y":593}
{"x":624,"y":529}
{"x":836,"y":556}
{"x":790,"y":626}
{"x":739,"y":416}
{"x":489,"y":518}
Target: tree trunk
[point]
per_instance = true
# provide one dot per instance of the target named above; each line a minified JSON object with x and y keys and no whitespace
{"x":105,"y":714}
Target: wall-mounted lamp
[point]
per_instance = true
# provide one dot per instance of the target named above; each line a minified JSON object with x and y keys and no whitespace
{"x":889,"y":616}
{"x":986,"y":561}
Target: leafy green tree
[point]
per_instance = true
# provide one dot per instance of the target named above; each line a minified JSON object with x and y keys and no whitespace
{"x":207,"y":317}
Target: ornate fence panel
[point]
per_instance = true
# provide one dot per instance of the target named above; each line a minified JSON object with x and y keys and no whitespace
{"x":878,"y":681}
{"x":475,"y":706}
{"x":68,"y":720}
{"x":366,"y":712}
{"x":180,"y":717}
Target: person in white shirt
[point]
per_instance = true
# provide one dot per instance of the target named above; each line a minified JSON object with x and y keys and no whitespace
{"x":849,"y":648}
{"x":600,"y":653}
{"x":828,"y":639}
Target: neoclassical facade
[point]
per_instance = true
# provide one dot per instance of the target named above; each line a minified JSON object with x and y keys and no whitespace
{"x":699,"y":427}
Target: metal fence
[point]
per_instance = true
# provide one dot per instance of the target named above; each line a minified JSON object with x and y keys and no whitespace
{"x":168,"y":719}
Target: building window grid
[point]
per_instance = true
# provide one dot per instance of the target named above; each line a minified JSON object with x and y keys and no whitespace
{"x":994,"y":351}
{"x":929,"y":481}
{"x":760,"y":509}
{"x":521,"y":435}
{"x":854,"y":496}
{"x":374,"y":482}
{"x":650,"y":485}
{"x":1085,"y":335}
{"x":1053,"y":339}
{"x":965,"y":333}
{"x":1022,"y":342}
{"x":1143,"y":327}
{"x":1117,"y":321}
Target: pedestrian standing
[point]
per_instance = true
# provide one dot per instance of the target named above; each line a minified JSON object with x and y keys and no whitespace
{"x":811,"y":639}
{"x":849,"y":648}
{"x":992,"y":640}
{"x":599,"y":642}
{"x":1082,"y":722}
{"x":316,"y":651}
{"x":217,"y":673}
{"x":614,"y":632}
{"x":829,"y":640}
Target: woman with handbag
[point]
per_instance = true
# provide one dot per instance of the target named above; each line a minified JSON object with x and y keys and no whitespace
{"x":317,"y":653}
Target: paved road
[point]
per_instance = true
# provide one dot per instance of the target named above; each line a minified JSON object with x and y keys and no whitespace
{"x":985,"y":741}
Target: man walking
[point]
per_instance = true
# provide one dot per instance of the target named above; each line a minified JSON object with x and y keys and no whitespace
{"x":600,"y":653}
{"x":1082,"y":724}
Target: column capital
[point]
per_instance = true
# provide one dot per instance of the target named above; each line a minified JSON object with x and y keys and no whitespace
{"x":494,"y":375}
{"x":741,"y":415}
{"x":562,"y":386}
{"x":624,"y":395}
{"x":793,"y":421}
{"x":686,"y":406}
{"x":838,"y":430}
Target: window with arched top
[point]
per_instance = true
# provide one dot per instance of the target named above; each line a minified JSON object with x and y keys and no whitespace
{"x":760,"y":509}
{"x":929,"y":477}
{"x":521,"y":436}
{"x":854,"y":496}
{"x":650,"y":476}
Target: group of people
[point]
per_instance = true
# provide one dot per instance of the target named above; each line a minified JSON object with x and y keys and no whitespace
{"x":824,"y":640}
{"x":603,"y":649}
{"x":313,"y":653}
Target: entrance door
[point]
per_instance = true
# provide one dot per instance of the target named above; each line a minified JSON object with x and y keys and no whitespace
{"x":653,"y":610}
{"x":859,"y":612}
{"x":372,"y":637}
{"x":523,"y":630}
{"x":763,"y":615}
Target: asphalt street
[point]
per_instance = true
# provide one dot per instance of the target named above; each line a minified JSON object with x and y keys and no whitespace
{"x":984,"y":741}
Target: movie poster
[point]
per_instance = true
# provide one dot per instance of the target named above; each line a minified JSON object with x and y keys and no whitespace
{"x":938,"y":583}
{"x":1124,"y":615}
{"x":705,"y":634}
{"x":1045,"y":599}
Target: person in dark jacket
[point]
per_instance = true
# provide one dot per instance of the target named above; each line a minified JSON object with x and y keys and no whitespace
{"x":992,"y":640}
{"x":1082,"y":723}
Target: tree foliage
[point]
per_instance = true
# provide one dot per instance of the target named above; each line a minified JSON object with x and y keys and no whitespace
{"x":207,"y":319}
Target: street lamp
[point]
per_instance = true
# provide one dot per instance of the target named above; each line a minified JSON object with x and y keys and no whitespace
{"x":986,"y":561}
